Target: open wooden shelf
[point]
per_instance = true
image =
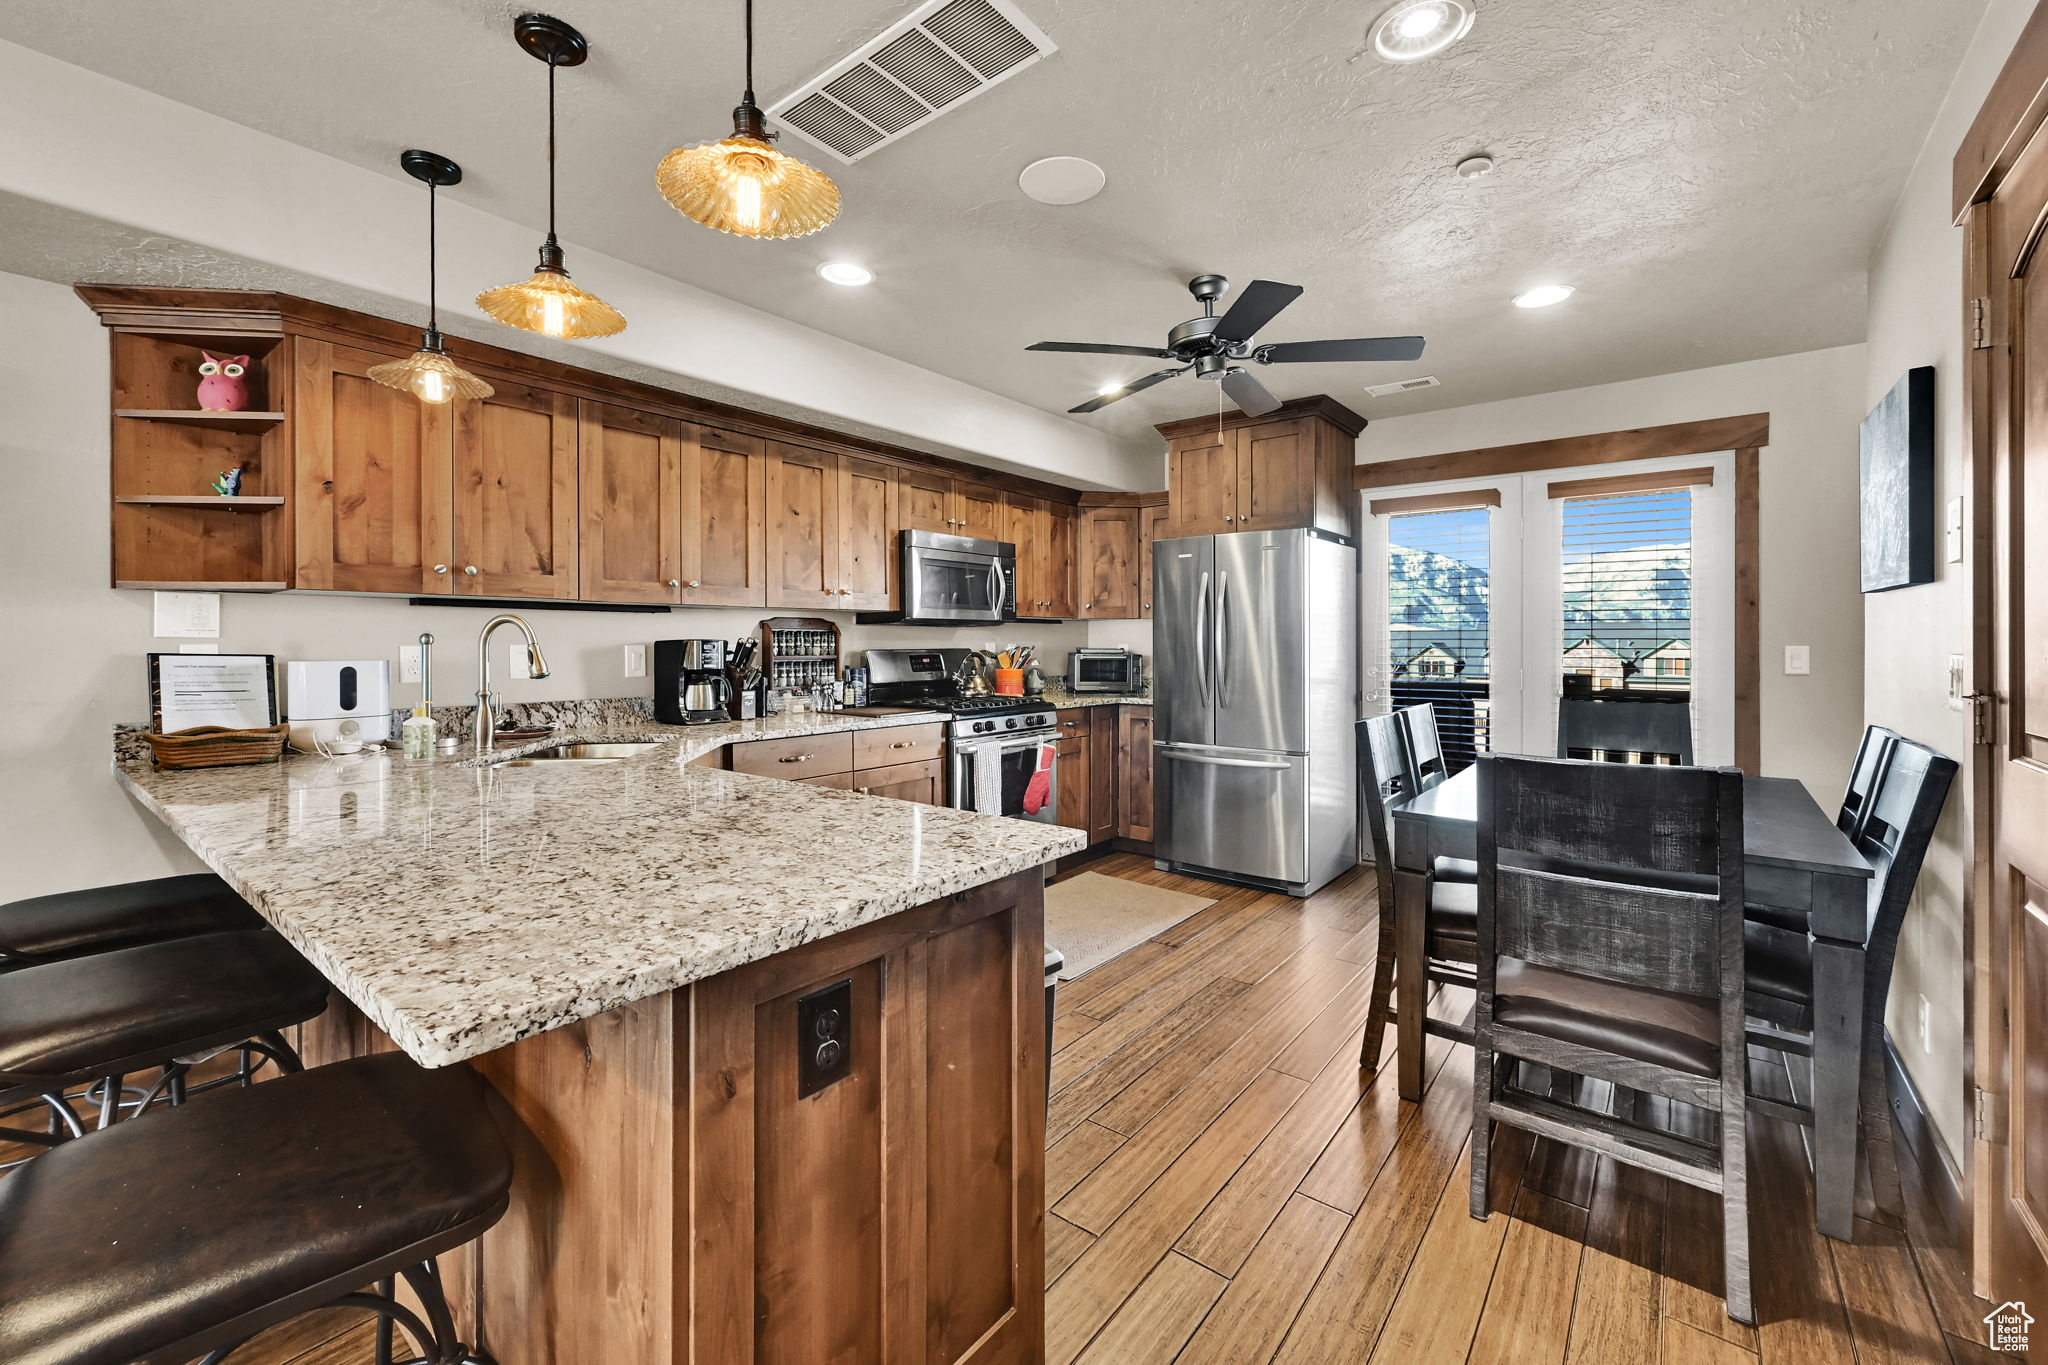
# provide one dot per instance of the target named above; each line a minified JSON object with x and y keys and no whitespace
{"x":198,"y":417}
{"x":173,"y":586}
{"x":245,"y":502}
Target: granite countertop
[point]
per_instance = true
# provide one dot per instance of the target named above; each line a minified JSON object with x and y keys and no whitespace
{"x":1063,"y":700}
{"x":463,"y":907}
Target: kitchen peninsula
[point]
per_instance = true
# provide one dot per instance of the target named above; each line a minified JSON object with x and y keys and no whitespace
{"x":622,"y":948}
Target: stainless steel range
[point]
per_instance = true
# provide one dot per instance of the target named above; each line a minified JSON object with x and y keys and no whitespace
{"x":998,"y":745}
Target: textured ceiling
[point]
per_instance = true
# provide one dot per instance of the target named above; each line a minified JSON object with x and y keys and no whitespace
{"x":1711,"y":175}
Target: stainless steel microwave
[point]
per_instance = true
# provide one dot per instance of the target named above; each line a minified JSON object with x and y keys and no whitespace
{"x":1105,"y":670}
{"x":954,"y":580}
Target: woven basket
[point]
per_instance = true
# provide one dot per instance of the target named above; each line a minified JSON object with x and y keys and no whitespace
{"x":216,"y":746}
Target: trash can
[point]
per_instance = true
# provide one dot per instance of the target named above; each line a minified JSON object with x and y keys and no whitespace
{"x":1055,"y":963}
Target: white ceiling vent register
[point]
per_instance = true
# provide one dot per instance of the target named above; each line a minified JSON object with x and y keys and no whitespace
{"x":934,"y":59}
{"x":1404,"y":386}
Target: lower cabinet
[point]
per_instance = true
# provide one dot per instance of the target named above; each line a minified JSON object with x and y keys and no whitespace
{"x":1106,"y":772}
{"x":906,"y":762}
{"x":1134,"y":772}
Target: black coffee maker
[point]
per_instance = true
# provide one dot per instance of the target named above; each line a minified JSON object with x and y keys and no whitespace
{"x":690,"y":686}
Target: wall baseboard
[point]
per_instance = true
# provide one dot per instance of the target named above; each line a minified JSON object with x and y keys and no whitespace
{"x":1943,"y":1181}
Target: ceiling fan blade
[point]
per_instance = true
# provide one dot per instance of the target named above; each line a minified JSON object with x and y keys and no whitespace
{"x":1359,"y":348}
{"x":1249,"y":394}
{"x":1102,"y":348}
{"x":1258,"y":305}
{"x":1103,"y":400}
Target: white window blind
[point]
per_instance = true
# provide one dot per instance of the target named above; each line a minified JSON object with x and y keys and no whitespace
{"x":1626,"y":629}
{"x":1439,"y":591}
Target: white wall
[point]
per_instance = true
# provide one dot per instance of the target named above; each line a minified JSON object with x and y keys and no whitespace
{"x":73,"y":663}
{"x":1806,"y":519}
{"x":1916,"y":303}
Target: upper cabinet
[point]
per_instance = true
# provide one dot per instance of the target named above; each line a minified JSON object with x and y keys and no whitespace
{"x":1044,"y":533}
{"x":977,"y":510}
{"x":803,"y":526}
{"x":931,"y":501}
{"x":725,"y":518}
{"x":1155,"y":523}
{"x":867,"y":569}
{"x":515,"y":492}
{"x":1291,"y":468}
{"x":1114,"y":563}
{"x":631,"y":524}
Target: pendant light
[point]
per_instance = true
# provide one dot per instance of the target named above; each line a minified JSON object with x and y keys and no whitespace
{"x":428,"y":373}
{"x":743,"y":185}
{"x":548,"y":303}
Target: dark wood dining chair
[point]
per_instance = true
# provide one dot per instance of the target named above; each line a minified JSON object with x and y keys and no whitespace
{"x":1610,"y":946}
{"x":1592,"y":726}
{"x":1894,"y":799}
{"x":1386,"y":778}
{"x":1428,"y":768}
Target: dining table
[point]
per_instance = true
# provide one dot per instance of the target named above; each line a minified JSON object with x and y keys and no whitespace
{"x":1794,"y":860}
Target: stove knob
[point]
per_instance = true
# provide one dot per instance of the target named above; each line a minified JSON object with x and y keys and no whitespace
{"x":1009,"y":722}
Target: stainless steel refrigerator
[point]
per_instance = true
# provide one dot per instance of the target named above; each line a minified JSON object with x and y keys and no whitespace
{"x":1254,"y":694}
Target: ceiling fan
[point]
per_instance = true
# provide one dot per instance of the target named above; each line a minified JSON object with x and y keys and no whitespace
{"x":1208,"y":345}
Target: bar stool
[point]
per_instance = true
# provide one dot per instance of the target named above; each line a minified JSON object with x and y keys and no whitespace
{"x":71,"y":923}
{"x":183,"y":1237}
{"x":92,"y":1020}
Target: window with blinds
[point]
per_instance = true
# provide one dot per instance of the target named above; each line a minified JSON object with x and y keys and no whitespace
{"x":1439,"y":589}
{"x":1626,"y":630}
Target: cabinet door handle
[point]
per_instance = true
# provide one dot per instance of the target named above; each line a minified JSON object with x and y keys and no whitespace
{"x":696,"y":582}
{"x":677,"y":583}
{"x":469,"y":569}
{"x":796,"y":758}
{"x":440,"y":568}
{"x":842,"y":592}
{"x":904,"y":744}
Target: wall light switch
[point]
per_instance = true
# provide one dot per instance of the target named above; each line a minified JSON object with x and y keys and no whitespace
{"x":1957,"y":672}
{"x":1798,"y":660}
{"x":1926,"y":1044}
{"x":1954,"y":530}
{"x":408,"y":663}
{"x":187,"y":616}
{"x":518,"y":660}
{"x":636,"y":661}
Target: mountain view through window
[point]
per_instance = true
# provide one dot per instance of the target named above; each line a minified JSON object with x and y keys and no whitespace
{"x":1439,"y":592}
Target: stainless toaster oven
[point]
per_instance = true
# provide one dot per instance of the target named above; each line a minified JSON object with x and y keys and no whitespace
{"x":1105,"y":670}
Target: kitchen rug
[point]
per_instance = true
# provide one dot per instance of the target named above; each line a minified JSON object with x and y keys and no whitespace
{"x":1091,"y":918}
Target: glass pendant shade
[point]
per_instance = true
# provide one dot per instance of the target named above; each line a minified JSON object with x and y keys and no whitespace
{"x":430,"y":375}
{"x":552,"y":305}
{"x":745,"y":187}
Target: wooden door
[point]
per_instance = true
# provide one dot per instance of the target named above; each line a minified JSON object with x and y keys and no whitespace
{"x":924,"y":502}
{"x":2010,"y":1005}
{"x":1024,"y":525}
{"x":801,"y":489}
{"x":868,"y":493}
{"x":1201,"y":483}
{"x":1060,"y":576}
{"x":1155,"y":523}
{"x":630,"y":527}
{"x":924,"y":783}
{"x":977,"y":510}
{"x":1134,"y":765}
{"x":1076,"y":791}
{"x":725,"y":519}
{"x":1104,"y":775}
{"x":372,"y":481}
{"x":1108,"y":565}
{"x":1276,"y":476}
{"x":515,"y":492}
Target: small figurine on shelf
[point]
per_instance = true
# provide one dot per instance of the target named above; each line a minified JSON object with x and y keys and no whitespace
{"x":228,"y":483}
{"x":220,"y":385}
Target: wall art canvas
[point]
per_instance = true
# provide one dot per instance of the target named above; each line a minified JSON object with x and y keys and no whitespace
{"x":1898,"y":485}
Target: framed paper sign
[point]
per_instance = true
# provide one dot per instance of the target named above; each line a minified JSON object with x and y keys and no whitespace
{"x":1898,"y":485}
{"x":238,"y":691}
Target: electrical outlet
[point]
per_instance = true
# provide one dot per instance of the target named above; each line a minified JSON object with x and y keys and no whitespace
{"x":824,"y":1037}
{"x":636,"y":661}
{"x":408,"y":663}
{"x":1798,"y":660}
{"x":1926,"y":1045}
{"x":518,"y":660}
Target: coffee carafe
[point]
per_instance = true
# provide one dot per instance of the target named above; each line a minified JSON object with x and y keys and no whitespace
{"x":690,"y":685}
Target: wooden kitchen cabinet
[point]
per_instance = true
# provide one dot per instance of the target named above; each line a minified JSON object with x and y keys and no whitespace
{"x":924,"y":783}
{"x":1104,"y":773}
{"x":1061,"y":553}
{"x":1155,"y":523}
{"x":801,"y":490}
{"x":898,"y":744}
{"x":1291,"y":468}
{"x":724,"y":518}
{"x":1134,"y":774}
{"x":977,"y":510}
{"x":1076,"y":809}
{"x":1108,"y":563}
{"x":1044,"y":534}
{"x":373,"y":486}
{"x":515,"y":492}
{"x":630,"y":528}
{"x":867,"y":567}
{"x":932,"y":501}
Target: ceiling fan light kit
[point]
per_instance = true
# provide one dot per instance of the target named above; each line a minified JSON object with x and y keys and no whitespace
{"x":742,"y":185}
{"x":549,"y":303}
{"x":1210,"y":346}
{"x":428,"y":373}
{"x":1412,"y":30}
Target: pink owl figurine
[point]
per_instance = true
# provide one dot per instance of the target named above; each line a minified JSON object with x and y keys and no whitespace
{"x":220,"y":386}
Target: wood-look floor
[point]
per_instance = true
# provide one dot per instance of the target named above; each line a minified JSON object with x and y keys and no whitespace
{"x":1224,"y":1186}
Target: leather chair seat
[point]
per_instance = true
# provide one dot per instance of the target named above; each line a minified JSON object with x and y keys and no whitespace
{"x":1775,"y":962}
{"x":1454,"y":870}
{"x":150,"y":1234}
{"x":98,"y":917}
{"x":1454,"y":911}
{"x":1682,"y":1032}
{"x":85,"y":1015}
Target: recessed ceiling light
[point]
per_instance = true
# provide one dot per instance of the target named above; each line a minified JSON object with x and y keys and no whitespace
{"x":846,"y":272}
{"x":1543,"y":296}
{"x":1414,"y":29}
{"x":1062,"y":180}
{"x":1473,"y":167}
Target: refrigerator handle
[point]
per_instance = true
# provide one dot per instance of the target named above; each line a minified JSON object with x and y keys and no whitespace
{"x":1183,"y":756}
{"x":1202,"y":639}
{"x":1222,"y":642}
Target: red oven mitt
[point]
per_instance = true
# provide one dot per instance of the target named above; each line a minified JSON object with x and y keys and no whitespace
{"x":1039,"y":789}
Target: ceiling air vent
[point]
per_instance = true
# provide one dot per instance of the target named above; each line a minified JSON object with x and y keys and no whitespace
{"x":1404,"y":386}
{"x":939,"y":56}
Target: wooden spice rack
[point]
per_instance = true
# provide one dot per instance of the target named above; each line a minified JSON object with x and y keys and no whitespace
{"x":788,"y":662}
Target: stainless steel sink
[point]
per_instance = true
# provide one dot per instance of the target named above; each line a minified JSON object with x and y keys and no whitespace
{"x":581,"y":755}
